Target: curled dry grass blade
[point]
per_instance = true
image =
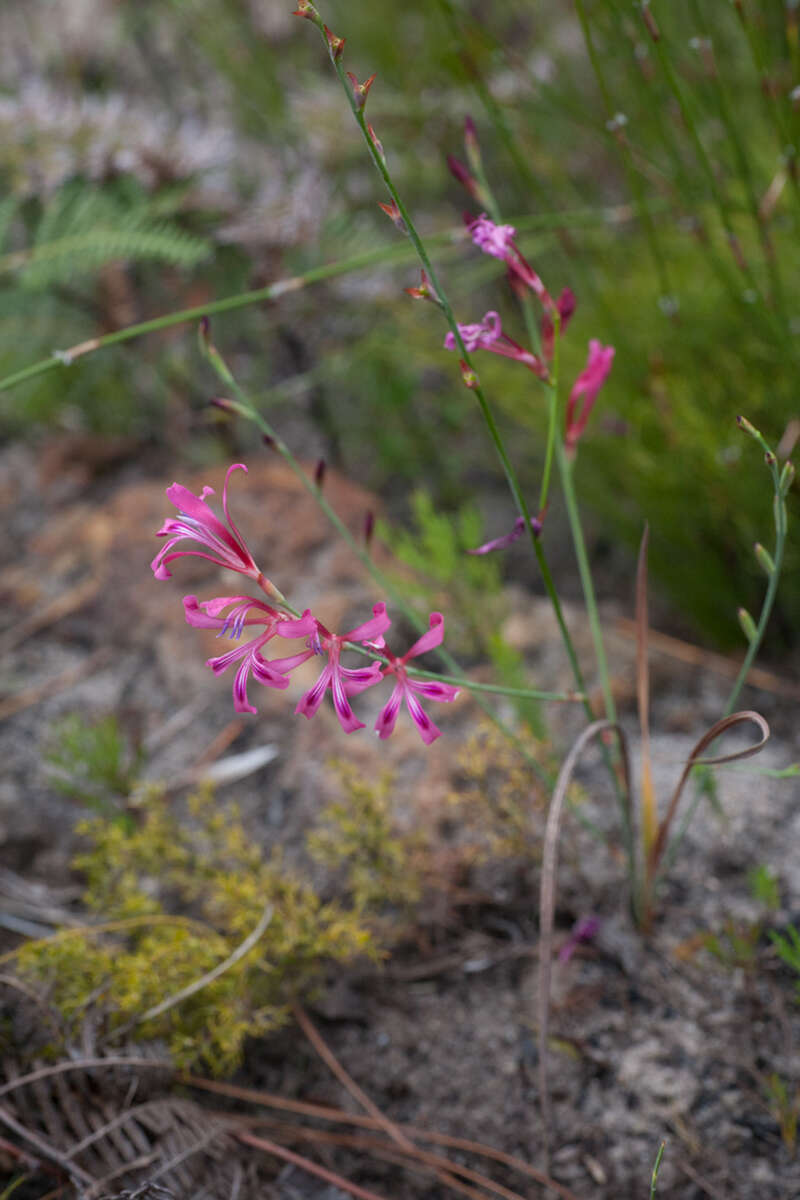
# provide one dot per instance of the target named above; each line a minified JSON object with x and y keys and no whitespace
{"x":695,"y":759}
{"x":547,"y":895}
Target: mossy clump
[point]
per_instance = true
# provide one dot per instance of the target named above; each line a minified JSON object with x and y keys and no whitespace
{"x":178,"y":897}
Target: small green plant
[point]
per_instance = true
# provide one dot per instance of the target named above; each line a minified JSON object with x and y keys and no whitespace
{"x":204,"y":940}
{"x":435,"y":546}
{"x":359,"y":837}
{"x":788,"y":946}
{"x":93,"y":763}
{"x":784,"y":1106}
{"x":738,"y":944}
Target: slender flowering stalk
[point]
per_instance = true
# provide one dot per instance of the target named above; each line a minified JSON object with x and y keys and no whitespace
{"x":409,"y":690}
{"x":343,"y":681}
{"x":245,"y":611}
{"x":488,"y":335}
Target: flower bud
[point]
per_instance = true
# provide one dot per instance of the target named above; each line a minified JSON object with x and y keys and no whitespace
{"x":787,"y":477}
{"x":319,"y":473}
{"x":748,"y":625}
{"x":335,"y":44}
{"x":306,"y":9}
{"x":360,"y":90}
{"x":373,"y":137}
{"x":468,"y":375}
{"x":744,"y":424}
{"x":650,"y":21}
{"x":764,"y":559}
{"x":425,"y":290}
{"x":369,"y":527}
{"x":471,"y":144}
{"x":393,"y":213}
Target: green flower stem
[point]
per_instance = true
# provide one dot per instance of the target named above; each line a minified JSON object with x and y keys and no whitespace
{"x":488,"y":416}
{"x":573,"y":515}
{"x":687,"y":116}
{"x":497,"y":689}
{"x":772,"y":586}
{"x":743,"y":165}
{"x":632,"y":175}
{"x":583,"y":217}
{"x":552,"y":413}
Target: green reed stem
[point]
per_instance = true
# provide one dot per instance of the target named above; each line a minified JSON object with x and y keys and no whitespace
{"x":774,"y":577}
{"x":573,"y":515}
{"x":632,"y":175}
{"x":720,"y":201}
{"x":743,"y":164}
{"x":401,"y":253}
{"x":486,"y":411}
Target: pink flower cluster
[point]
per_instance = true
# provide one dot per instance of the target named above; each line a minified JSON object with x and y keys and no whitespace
{"x":237,"y":617}
{"x":498,"y":241}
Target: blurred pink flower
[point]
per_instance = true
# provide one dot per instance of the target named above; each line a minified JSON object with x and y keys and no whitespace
{"x":588,"y":384}
{"x":498,"y":241}
{"x":488,"y":335}
{"x":343,"y":681}
{"x":408,"y":690}
{"x":198,"y":523}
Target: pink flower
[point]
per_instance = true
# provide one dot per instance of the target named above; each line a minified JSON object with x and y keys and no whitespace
{"x":343,"y":681}
{"x":197,"y":522}
{"x":409,"y":689}
{"x":488,"y":335}
{"x":588,"y":384}
{"x":498,"y":241}
{"x":246,"y":611}
{"x":507,"y":539}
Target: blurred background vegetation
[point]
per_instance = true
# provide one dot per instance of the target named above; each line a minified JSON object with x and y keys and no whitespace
{"x":166,"y":154}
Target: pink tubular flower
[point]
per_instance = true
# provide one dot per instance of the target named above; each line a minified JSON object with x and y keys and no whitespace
{"x":244,"y":611}
{"x":343,"y":681}
{"x":409,"y":689}
{"x":197,"y":522}
{"x":507,"y":539}
{"x":488,"y":335}
{"x":588,"y":384}
{"x":498,"y":241}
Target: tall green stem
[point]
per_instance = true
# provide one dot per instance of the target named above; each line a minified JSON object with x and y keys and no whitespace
{"x":379,"y":161}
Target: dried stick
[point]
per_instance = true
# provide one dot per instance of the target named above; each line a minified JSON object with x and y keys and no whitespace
{"x":547,"y":899}
{"x":330,"y":1059}
{"x":249,"y":1139}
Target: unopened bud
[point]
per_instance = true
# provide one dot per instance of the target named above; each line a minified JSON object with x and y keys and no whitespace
{"x":306,"y":9}
{"x":360,"y":90}
{"x":369,"y":527}
{"x":471,"y":144}
{"x":269,"y":441}
{"x":748,"y":625}
{"x":394,"y":215}
{"x":223,"y":403}
{"x":786,"y":478}
{"x":744,"y":424}
{"x":764,"y":559}
{"x":468,"y":375}
{"x":335,"y":44}
{"x":319,"y":472}
{"x":462,"y":175}
{"x":425,"y":291}
{"x":373,"y":137}
{"x":650,"y":21}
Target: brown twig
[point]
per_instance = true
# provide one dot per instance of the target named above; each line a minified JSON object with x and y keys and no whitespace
{"x":332,"y":1062}
{"x":44,"y":1148}
{"x":249,"y":1139}
{"x":83,"y":1064}
{"x":326,"y":1113}
{"x":547,"y":894}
